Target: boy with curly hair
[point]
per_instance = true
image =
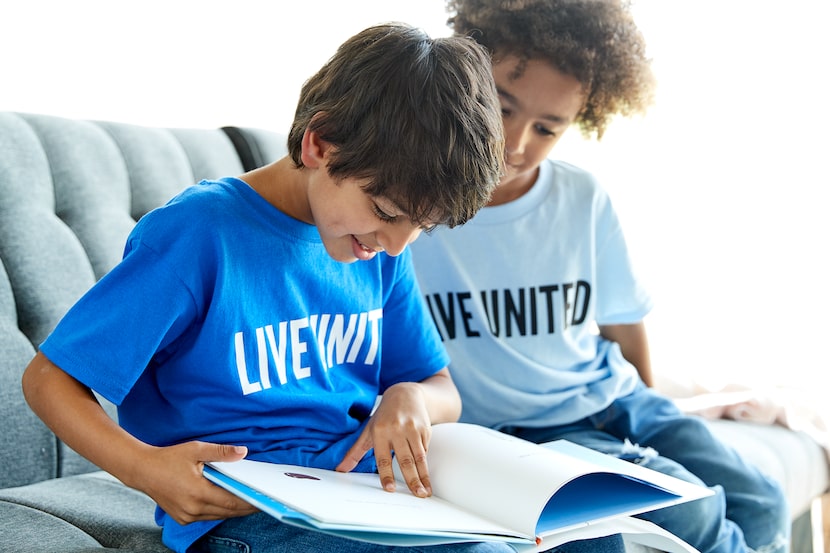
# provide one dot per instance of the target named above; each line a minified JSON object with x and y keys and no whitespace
{"x":518,"y":292}
{"x":261,"y":316}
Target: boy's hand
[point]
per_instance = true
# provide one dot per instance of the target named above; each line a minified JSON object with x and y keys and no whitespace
{"x":172,"y":476}
{"x":401,"y":423}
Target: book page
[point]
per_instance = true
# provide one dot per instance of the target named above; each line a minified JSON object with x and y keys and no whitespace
{"x":633,"y":531}
{"x":328,"y":499}
{"x":518,"y":483}
{"x":497,"y":475}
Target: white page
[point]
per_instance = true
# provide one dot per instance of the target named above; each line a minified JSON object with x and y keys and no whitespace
{"x":633,"y":530}
{"x":468,"y":466}
{"x":357,"y":499}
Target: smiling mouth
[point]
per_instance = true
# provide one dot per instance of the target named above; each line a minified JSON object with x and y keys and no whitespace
{"x":364,"y":246}
{"x":361,"y":250}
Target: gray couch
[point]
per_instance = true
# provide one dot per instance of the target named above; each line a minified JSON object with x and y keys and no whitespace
{"x":70,"y":191}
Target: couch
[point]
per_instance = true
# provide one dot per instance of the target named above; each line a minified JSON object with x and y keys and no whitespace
{"x":70,"y":191}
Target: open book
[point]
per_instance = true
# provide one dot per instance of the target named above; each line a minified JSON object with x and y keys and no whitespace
{"x":487,"y":486}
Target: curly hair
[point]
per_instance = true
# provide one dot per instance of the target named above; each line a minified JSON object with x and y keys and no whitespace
{"x":595,"y":41}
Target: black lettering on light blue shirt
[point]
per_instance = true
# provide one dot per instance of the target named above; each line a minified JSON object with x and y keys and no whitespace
{"x":579,"y":316}
{"x":466,"y":315}
{"x":446,"y":311}
{"x":566,"y":303}
{"x":514,"y":311}
{"x":547,"y":291}
{"x":491,"y":310}
{"x":526,"y":311}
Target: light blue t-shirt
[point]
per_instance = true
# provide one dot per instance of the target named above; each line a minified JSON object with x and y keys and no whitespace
{"x":516,"y":294}
{"x":228,"y":322}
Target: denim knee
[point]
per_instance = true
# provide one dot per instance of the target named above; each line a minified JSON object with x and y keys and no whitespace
{"x":702,"y":523}
{"x":606,"y":544}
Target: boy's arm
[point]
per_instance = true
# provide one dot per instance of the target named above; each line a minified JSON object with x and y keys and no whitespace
{"x":633,"y":342}
{"x":172,"y":476}
{"x":402,"y":423}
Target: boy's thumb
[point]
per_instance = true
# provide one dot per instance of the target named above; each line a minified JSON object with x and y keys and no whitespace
{"x":225,"y":452}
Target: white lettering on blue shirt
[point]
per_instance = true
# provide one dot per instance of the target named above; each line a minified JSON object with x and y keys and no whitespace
{"x":335,"y":338}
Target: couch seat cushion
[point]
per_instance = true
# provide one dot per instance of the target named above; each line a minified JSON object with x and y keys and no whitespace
{"x":793,"y":458}
{"x":95,"y":504}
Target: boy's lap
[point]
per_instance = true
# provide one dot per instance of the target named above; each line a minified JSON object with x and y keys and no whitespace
{"x":262,"y":532}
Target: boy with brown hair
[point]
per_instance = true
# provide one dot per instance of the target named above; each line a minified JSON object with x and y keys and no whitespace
{"x":261,"y":316}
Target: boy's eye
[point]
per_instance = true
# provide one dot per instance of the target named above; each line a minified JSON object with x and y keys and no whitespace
{"x":544,"y":131}
{"x":382,"y":215}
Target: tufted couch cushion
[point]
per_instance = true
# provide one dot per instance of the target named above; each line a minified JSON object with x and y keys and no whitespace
{"x":70,"y":192}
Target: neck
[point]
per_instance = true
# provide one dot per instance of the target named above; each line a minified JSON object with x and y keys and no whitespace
{"x":513,"y":189}
{"x":283,"y":185}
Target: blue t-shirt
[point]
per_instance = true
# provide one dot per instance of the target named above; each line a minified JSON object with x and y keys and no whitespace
{"x":227,"y":322}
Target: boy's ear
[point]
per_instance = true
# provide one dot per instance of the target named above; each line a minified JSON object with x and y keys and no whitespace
{"x":314,"y":150}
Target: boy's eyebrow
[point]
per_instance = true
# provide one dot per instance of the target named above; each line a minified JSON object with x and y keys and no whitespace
{"x":391,"y":203}
{"x":398,"y":209}
{"x":515,"y":101}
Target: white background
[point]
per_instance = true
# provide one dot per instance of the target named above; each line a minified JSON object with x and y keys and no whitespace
{"x":721,"y":188}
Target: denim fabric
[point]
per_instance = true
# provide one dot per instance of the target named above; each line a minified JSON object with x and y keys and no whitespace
{"x":749,"y":510}
{"x":260,"y":533}
{"x":608,"y":544}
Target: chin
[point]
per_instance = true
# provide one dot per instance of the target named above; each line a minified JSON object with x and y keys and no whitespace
{"x":340,"y":256}
{"x":344,"y":258}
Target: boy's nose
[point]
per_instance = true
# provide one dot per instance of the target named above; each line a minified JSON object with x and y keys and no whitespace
{"x":515,"y":138}
{"x":394,"y":240}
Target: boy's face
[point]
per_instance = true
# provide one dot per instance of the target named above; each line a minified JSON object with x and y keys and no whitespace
{"x":537,"y":109}
{"x":355,"y":226}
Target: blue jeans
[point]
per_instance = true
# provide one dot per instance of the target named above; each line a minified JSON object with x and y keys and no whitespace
{"x":748,"y":512}
{"x":261,"y":533}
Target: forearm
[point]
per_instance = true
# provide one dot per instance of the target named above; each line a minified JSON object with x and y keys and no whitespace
{"x":441,"y":398}
{"x":633,"y":342}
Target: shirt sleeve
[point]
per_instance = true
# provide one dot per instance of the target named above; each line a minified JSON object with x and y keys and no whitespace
{"x":621,"y":296}
{"x":412,"y":348}
{"x":109,"y":336}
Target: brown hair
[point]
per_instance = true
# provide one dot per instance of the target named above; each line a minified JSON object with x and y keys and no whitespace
{"x":418,"y":117}
{"x":595,"y":41}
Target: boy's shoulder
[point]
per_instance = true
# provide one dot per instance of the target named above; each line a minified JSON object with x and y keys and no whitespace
{"x":194,"y":210}
{"x":566,"y":174}
{"x":208,"y":198}
{"x":204,"y":191}
{"x":567,"y":168}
